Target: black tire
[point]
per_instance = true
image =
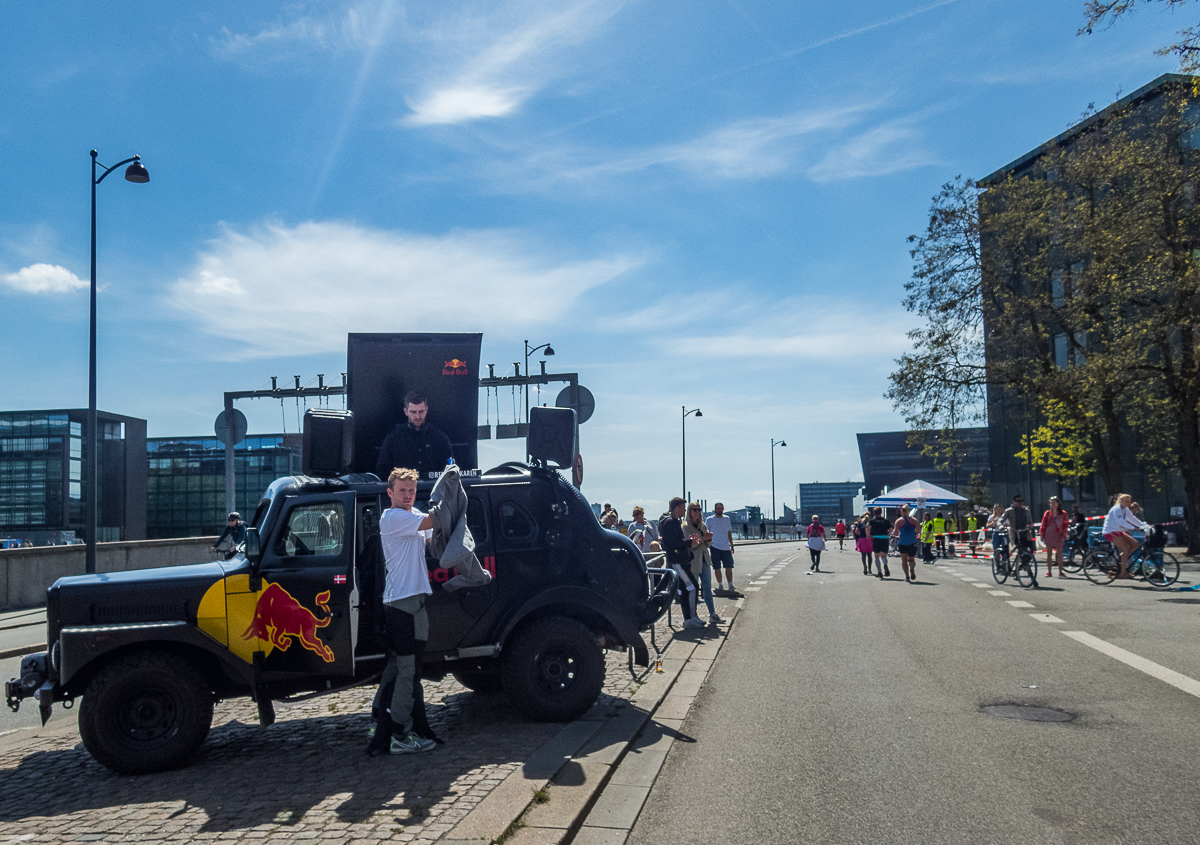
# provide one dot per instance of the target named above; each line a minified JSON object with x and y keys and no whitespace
{"x":1073,"y":562}
{"x":1101,"y":567}
{"x":146,"y":712}
{"x":1161,"y":575}
{"x":479,"y":680}
{"x":1026,"y":570}
{"x":553,"y":670}
{"x":999,"y":566}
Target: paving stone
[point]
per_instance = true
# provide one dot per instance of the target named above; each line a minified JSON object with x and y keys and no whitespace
{"x":618,"y":806}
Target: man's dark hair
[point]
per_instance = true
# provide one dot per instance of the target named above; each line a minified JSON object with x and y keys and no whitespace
{"x":1017,"y":496}
{"x":415,"y":397}
{"x":674,"y":503}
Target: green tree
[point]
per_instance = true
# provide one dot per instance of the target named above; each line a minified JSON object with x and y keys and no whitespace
{"x":1061,"y":447}
{"x":1106,"y":12}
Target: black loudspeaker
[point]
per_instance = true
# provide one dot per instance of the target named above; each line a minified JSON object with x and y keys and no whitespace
{"x":552,"y":437}
{"x":328,"y":442}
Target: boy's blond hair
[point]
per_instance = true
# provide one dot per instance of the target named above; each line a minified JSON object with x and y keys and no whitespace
{"x":400,"y":474}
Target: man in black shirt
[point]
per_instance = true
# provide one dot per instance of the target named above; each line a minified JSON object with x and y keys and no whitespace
{"x":414,"y":443}
{"x":679,"y":556}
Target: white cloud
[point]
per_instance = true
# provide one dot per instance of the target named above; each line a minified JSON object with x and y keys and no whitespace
{"x":287,"y":291}
{"x":348,"y":28}
{"x":490,"y":66}
{"x":44,"y":278}
{"x":888,"y":148}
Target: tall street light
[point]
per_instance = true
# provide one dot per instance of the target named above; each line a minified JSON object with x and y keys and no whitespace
{"x":136,"y":172}
{"x":774,"y":522}
{"x":686,"y":414}
{"x":529,"y":351}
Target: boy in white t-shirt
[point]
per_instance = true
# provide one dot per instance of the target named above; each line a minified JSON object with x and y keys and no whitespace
{"x":722,"y":544}
{"x":403,"y":530}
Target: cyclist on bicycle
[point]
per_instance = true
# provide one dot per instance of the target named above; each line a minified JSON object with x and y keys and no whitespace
{"x":1117,"y":524}
{"x":1020,"y":529}
{"x":235,"y":531}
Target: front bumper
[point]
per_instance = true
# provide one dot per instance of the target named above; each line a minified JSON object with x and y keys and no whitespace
{"x":35,"y":682}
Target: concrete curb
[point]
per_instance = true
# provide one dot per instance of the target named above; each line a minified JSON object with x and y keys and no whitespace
{"x":584,"y":784}
{"x":20,"y":650}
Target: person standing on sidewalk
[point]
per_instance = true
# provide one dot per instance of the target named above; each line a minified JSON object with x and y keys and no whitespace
{"x":927,"y":538}
{"x":679,"y":556}
{"x":403,"y":530}
{"x":642,"y":533}
{"x":881,"y":535}
{"x":939,"y":533}
{"x":701,"y":558}
{"x":1055,"y":524}
{"x":722,"y":546}
{"x":816,"y":542}
{"x":906,"y":539}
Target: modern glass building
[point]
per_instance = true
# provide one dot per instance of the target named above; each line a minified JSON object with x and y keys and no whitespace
{"x":888,"y":460}
{"x":832,"y":500}
{"x":44,"y":481}
{"x":186,"y":483}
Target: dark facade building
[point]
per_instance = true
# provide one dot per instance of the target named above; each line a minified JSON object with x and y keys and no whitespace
{"x":44,"y":476}
{"x":888,"y":461}
{"x":186,"y":485}
{"x":1009,"y":415}
{"x":831,"y":500}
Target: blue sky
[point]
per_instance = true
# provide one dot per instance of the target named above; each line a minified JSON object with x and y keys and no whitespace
{"x":698,"y":202}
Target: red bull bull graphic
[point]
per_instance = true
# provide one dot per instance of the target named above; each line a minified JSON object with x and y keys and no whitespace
{"x":279,"y":619}
{"x":454,"y":367}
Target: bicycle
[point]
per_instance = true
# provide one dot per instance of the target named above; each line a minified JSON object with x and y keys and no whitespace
{"x":1153,"y":564}
{"x":1074,"y":551}
{"x":1025,"y":566}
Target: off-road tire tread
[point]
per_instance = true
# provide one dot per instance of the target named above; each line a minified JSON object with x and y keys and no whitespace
{"x":517,"y":670}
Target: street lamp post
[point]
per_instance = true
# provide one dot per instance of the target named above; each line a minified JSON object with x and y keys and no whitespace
{"x":683,"y":424}
{"x":136,"y":172}
{"x":774,"y":517}
{"x":529,"y":351}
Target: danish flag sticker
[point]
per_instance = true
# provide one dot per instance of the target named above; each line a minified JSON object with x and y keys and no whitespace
{"x":339,"y":579}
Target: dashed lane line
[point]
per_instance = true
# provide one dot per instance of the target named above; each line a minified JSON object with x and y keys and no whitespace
{"x":1046,"y":617}
{"x":997,"y":592}
{"x":1019,"y":603}
{"x":1154,"y":670}
{"x":983,"y":586}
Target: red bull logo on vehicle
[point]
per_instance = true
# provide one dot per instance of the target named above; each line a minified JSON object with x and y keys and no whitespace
{"x":279,"y":620}
{"x":454,"y":367}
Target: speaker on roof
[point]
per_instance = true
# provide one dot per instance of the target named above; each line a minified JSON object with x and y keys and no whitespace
{"x":328,"y":442}
{"x":553,"y":437}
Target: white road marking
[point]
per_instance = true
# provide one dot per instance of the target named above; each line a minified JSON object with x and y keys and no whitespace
{"x":984,"y":586}
{"x":1020,"y":604}
{"x":967,"y":578}
{"x":999,"y":593}
{"x":764,"y":583}
{"x":1045,"y":617}
{"x":751,"y":589}
{"x":1169,"y":676}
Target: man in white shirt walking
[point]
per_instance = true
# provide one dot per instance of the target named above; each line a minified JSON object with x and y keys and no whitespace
{"x":404,"y":530}
{"x":722,"y":545}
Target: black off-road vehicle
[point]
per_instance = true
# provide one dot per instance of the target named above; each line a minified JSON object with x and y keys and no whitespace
{"x":149,"y":652}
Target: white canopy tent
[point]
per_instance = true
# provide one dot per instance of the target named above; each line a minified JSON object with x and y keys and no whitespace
{"x":919,"y":493}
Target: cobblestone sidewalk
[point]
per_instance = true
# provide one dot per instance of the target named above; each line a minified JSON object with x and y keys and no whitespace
{"x":304,"y":778}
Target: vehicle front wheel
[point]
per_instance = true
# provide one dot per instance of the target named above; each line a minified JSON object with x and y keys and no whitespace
{"x":553,"y":670}
{"x":146,"y":712}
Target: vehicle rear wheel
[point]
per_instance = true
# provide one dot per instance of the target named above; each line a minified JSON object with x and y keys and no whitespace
{"x":553,"y":670}
{"x":999,"y":566}
{"x":1100,"y":567}
{"x":146,"y":712}
{"x":479,"y":680}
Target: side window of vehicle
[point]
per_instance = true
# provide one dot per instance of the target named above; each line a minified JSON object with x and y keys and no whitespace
{"x":477,"y":519}
{"x":516,"y":525}
{"x":312,"y":531}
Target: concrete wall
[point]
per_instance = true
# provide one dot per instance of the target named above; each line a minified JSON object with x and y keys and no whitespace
{"x":26,"y":573}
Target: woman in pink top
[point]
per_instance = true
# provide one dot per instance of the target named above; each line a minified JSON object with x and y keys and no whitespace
{"x":1055,"y":523}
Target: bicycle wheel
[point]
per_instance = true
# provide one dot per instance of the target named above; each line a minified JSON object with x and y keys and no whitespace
{"x":1073,"y":562}
{"x":1100,"y":567}
{"x":1161,"y":574}
{"x":1026,"y":570}
{"x":999,"y":566}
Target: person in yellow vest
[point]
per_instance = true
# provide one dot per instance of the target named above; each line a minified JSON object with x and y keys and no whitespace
{"x":927,"y":537}
{"x":939,"y":532}
{"x":972,"y":528}
{"x":951,"y":527}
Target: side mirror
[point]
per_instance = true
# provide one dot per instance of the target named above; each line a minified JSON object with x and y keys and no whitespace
{"x":253,"y":546}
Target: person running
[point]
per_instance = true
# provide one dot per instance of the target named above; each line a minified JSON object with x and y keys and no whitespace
{"x":906,"y":537}
{"x":881,"y":534}
{"x":816,"y":542}
{"x":1055,"y":524}
{"x":862,"y":541}
{"x":1117,"y":524}
{"x":840,"y":531}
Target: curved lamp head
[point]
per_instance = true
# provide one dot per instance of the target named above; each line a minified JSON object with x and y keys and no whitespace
{"x":137,"y":172}
{"x":698,"y":413}
{"x":549,"y":349}
{"x":781,"y":443}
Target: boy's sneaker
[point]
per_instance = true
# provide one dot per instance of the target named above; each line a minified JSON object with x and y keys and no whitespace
{"x":411,"y":744}
{"x":715,"y":620}
{"x":692,"y":623}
